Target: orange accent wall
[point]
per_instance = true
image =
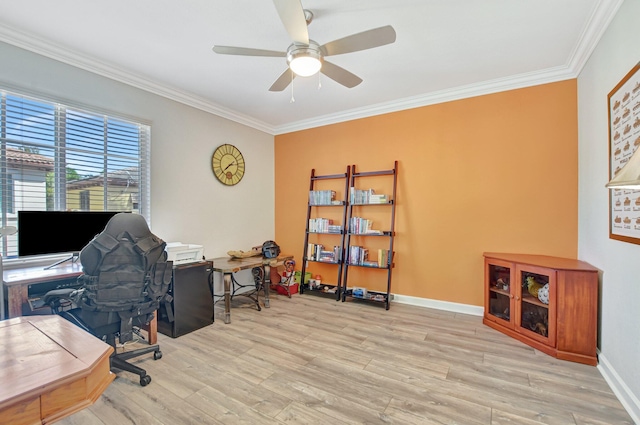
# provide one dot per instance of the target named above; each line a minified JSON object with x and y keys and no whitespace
{"x":492,"y":173}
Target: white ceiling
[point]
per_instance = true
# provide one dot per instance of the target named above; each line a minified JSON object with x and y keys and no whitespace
{"x":445,"y":50}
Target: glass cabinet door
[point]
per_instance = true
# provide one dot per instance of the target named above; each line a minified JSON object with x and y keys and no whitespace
{"x":535,"y":303}
{"x":499,"y":286}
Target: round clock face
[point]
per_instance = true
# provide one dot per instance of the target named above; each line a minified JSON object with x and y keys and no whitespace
{"x":228,"y":164}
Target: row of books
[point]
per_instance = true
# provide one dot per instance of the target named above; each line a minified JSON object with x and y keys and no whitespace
{"x":359,"y":255}
{"x":323,"y":225}
{"x":316,"y":252}
{"x":362,"y":226}
{"x":369,"y":196}
{"x":323,"y":197}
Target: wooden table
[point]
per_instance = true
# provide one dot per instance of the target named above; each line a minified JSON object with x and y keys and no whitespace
{"x":18,"y":281}
{"x":50,"y":369}
{"x":228,"y":265}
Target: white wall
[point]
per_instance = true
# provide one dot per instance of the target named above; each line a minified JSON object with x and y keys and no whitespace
{"x":187,"y":203}
{"x":617,"y":52}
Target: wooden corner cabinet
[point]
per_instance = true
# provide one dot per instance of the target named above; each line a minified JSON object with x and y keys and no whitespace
{"x":548,"y":303}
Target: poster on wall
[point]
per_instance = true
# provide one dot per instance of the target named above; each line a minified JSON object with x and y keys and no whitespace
{"x":624,"y":140}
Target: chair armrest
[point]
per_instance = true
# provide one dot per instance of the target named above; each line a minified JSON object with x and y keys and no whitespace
{"x":57,"y":294}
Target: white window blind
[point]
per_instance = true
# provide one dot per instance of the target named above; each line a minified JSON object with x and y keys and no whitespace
{"x":59,"y":158}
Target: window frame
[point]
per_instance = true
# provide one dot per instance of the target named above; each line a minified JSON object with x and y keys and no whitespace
{"x":141,"y":157}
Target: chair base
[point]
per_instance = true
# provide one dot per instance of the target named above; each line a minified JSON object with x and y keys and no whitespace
{"x":119,"y":361}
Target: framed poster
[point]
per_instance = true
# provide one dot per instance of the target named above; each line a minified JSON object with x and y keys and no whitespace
{"x":624,"y":140}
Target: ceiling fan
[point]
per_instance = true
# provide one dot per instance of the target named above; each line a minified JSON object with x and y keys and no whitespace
{"x":304,"y":56}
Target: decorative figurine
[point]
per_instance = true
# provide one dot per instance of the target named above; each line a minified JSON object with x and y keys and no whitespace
{"x":533,"y":286}
{"x":501,"y":283}
{"x":543,"y":294}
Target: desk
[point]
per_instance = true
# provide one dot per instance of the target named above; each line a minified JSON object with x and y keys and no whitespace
{"x":228,"y":265}
{"x":18,"y":280}
{"x":50,"y":369}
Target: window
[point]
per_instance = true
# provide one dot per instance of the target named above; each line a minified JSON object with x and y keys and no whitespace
{"x":61,"y":158}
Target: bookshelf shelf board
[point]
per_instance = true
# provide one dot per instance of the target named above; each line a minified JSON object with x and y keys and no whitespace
{"x":368,"y":267}
{"x":341,"y":204}
{"x":325,"y":233}
{"x":375,"y":296}
{"x":320,"y":261}
{"x":362,"y":204}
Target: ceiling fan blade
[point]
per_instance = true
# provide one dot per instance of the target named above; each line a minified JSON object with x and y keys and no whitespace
{"x":283,"y":80}
{"x":340,"y":75}
{"x":360,"y":41}
{"x":245,"y":51}
{"x":292,"y":16}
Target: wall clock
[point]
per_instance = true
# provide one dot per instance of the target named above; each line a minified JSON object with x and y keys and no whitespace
{"x":227,"y":164}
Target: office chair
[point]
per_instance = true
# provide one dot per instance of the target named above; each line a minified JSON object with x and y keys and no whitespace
{"x":125,"y":279}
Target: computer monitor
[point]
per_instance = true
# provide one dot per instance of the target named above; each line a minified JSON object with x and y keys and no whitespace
{"x":58,"y":232}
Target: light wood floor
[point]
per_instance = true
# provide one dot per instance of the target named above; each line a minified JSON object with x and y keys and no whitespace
{"x":312,"y":360}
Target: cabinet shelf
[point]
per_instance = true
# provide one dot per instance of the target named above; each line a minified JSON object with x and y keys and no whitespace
{"x":531,"y":300}
{"x":499,"y":291}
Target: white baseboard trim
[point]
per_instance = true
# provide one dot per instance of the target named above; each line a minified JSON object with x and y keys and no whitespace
{"x":439,"y":305}
{"x":629,"y":401}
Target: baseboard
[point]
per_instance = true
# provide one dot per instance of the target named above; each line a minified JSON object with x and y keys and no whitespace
{"x":629,"y":401}
{"x":439,"y":305}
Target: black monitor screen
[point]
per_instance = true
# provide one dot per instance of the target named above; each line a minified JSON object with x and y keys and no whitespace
{"x":54,"y":232}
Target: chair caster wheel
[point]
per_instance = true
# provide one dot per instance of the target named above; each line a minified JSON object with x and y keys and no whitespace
{"x":145,"y":380}
{"x":157,"y":355}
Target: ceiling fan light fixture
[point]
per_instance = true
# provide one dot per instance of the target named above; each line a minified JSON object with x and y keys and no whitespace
{"x":304,"y":61}
{"x":305,"y":66}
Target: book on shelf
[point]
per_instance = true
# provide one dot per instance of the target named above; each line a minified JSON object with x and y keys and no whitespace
{"x":323,"y":197}
{"x":327,"y":256}
{"x":383,"y":258}
{"x":358,"y":255}
{"x":378,"y":199}
{"x":369,"y":196}
{"x":321,"y":225}
{"x":334,"y":229}
{"x":362,"y":226}
{"x":337,"y":253}
{"x":316,"y":252}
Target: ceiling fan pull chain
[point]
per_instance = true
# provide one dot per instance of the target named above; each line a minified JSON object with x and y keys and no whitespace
{"x":292,"y":98}
{"x":319,"y":82}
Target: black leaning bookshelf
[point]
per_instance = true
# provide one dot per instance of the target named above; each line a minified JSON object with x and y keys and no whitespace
{"x":359,"y":230}
{"x":320,"y":231}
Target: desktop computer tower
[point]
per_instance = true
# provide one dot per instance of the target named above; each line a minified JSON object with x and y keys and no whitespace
{"x":192,"y":305}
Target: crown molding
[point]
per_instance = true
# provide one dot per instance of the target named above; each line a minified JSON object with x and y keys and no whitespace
{"x":463,"y":92}
{"x":599,"y":21}
{"x":53,"y":51}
